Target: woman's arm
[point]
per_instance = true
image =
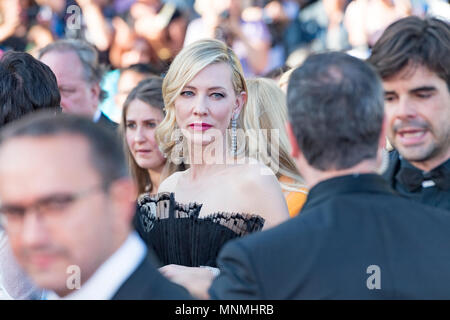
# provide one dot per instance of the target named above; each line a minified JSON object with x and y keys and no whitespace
{"x":99,"y":29}
{"x":11,"y":19}
{"x":196,"y":280}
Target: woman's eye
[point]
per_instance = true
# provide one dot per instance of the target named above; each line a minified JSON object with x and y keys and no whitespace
{"x":217,"y":95}
{"x":130,"y":125}
{"x":187,"y":93}
{"x":151,"y":124}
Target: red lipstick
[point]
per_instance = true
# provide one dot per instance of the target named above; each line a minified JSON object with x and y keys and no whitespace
{"x":202,"y":126}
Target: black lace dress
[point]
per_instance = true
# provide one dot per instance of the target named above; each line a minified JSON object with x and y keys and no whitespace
{"x":178,"y":236}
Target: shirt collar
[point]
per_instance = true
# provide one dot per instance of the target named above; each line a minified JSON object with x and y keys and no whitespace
{"x":97,"y":115}
{"x":354,"y":183}
{"x":110,"y":276}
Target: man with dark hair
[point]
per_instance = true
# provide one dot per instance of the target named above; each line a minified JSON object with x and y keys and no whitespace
{"x":354,"y":239}
{"x":413,"y":59}
{"x":67,"y":203}
{"x":78,"y":72}
{"x":26,"y":85}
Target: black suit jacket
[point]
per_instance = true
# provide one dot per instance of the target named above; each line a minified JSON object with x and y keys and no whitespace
{"x":107,"y":123}
{"x":146,"y":283}
{"x":347,"y":226}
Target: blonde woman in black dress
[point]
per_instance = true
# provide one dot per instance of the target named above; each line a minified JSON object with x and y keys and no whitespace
{"x":223,"y":194}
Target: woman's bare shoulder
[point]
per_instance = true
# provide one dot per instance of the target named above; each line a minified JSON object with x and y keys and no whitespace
{"x":255,"y":172}
{"x":259,"y":191}
{"x":254,"y":178}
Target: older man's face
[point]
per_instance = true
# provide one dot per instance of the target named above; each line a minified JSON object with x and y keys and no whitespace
{"x":418,"y":113}
{"x":57,"y":214}
{"x":77,"y":95}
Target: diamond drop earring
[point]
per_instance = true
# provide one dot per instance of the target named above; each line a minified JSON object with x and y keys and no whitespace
{"x":233,"y":136}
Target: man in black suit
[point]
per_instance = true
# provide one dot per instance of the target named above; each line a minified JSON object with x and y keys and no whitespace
{"x":354,"y":239}
{"x":67,"y":203}
{"x":77,"y":69}
{"x":413,"y":59}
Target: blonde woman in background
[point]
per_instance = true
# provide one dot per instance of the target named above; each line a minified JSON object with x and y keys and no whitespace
{"x":266,"y":110}
{"x":223,"y":195}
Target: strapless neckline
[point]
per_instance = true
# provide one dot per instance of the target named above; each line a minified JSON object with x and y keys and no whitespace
{"x":191,"y":206}
{"x":178,"y":235}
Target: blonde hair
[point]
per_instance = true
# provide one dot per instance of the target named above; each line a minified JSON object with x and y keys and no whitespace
{"x":186,"y":65}
{"x":267,"y":109}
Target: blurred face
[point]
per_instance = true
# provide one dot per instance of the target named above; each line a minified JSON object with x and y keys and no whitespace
{"x":139,"y":53}
{"x":207,"y":103}
{"x":235,"y":8}
{"x":417,"y":104}
{"x":212,"y":7}
{"x":127,"y":81}
{"x":55,"y":217}
{"x":141,"y":122}
{"x":77,"y":95}
{"x":332,"y":6}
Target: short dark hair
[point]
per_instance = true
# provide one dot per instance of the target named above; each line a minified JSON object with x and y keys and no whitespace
{"x":336,"y":107}
{"x":105,"y":149}
{"x":277,"y":72}
{"x":142,"y":68}
{"x":26,"y":85}
{"x":417,"y":41}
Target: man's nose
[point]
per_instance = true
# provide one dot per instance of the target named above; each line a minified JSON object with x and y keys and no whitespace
{"x":34,"y":230}
{"x":406,"y":108}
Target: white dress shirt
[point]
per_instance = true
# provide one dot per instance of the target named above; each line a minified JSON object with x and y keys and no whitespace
{"x":110,"y":276}
{"x":97,"y":115}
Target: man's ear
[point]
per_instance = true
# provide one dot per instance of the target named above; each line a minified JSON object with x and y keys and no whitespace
{"x":123,"y":194}
{"x":95,"y":94}
{"x":295,"y":150}
{"x":300,"y":161}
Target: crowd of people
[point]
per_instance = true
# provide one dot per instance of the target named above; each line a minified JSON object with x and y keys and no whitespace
{"x":150,"y":153}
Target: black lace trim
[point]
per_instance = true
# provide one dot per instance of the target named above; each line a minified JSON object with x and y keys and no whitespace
{"x":163,"y":206}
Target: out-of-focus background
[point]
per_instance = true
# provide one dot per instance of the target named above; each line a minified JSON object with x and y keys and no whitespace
{"x":268,"y":36}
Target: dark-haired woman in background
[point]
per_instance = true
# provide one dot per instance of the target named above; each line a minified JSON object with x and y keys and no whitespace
{"x":142,"y":111}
